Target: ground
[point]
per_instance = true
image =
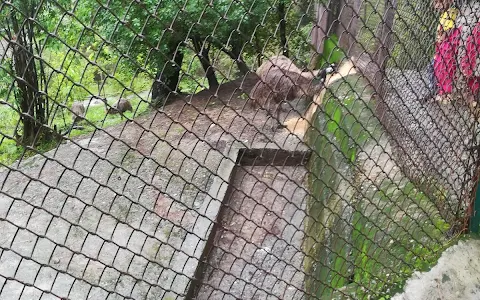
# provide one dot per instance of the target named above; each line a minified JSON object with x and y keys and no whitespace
{"x":431,"y":139}
{"x":123,"y":213}
{"x":456,"y":276}
{"x":259,"y":254}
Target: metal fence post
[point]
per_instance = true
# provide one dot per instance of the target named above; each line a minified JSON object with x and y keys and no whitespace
{"x":474,"y":225}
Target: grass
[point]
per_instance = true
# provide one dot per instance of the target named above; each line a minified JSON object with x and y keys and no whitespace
{"x":95,"y":118}
{"x":71,"y":79}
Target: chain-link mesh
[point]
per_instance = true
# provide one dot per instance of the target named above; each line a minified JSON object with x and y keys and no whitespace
{"x":182,"y":149}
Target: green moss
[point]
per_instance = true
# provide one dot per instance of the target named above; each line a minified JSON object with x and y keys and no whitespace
{"x":366,"y":235}
{"x":331,"y":52}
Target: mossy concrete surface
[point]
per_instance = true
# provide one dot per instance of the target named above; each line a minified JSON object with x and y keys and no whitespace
{"x":125,"y":212}
{"x":369,"y":226}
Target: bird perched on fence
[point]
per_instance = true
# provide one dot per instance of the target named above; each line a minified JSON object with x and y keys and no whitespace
{"x":78,"y":112}
{"x":120,"y":107}
{"x":280,"y":85}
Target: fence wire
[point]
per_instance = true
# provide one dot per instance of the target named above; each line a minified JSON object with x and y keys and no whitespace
{"x":232,"y":149}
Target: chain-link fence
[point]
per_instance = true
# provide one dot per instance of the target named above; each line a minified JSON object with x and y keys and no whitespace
{"x":178,"y":149}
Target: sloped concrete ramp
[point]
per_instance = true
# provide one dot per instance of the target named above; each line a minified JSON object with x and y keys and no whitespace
{"x":456,"y":276}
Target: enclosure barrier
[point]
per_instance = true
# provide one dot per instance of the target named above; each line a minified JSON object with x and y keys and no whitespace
{"x":233,"y":149}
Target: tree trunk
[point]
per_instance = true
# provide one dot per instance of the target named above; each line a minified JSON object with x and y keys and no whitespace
{"x":283,"y":27}
{"x":319,"y":34}
{"x":203,"y":55}
{"x":334,"y":9}
{"x":347,"y":30}
{"x":242,"y":66}
{"x":235,"y":54}
{"x":258,"y":49}
{"x":384,"y":42}
{"x":167,"y":77}
{"x":32,"y":101}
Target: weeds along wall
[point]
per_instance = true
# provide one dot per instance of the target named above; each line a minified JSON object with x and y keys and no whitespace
{"x":198,"y":193}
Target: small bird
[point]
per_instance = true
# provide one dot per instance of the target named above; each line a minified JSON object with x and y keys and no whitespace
{"x":78,"y":112}
{"x":322,"y":75}
{"x":120,"y":107}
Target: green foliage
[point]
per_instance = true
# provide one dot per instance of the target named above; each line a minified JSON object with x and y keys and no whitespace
{"x":415,"y":31}
{"x":331,"y":52}
{"x":72,"y":76}
{"x":10,"y":151}
{"x":224,"y":24}
{"x":9,"y":117}
{"x":5,"y":79}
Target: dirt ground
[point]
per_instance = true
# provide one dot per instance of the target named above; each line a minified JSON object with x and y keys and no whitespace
{"x":258,"y":253}
{"x":123,"y":213}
